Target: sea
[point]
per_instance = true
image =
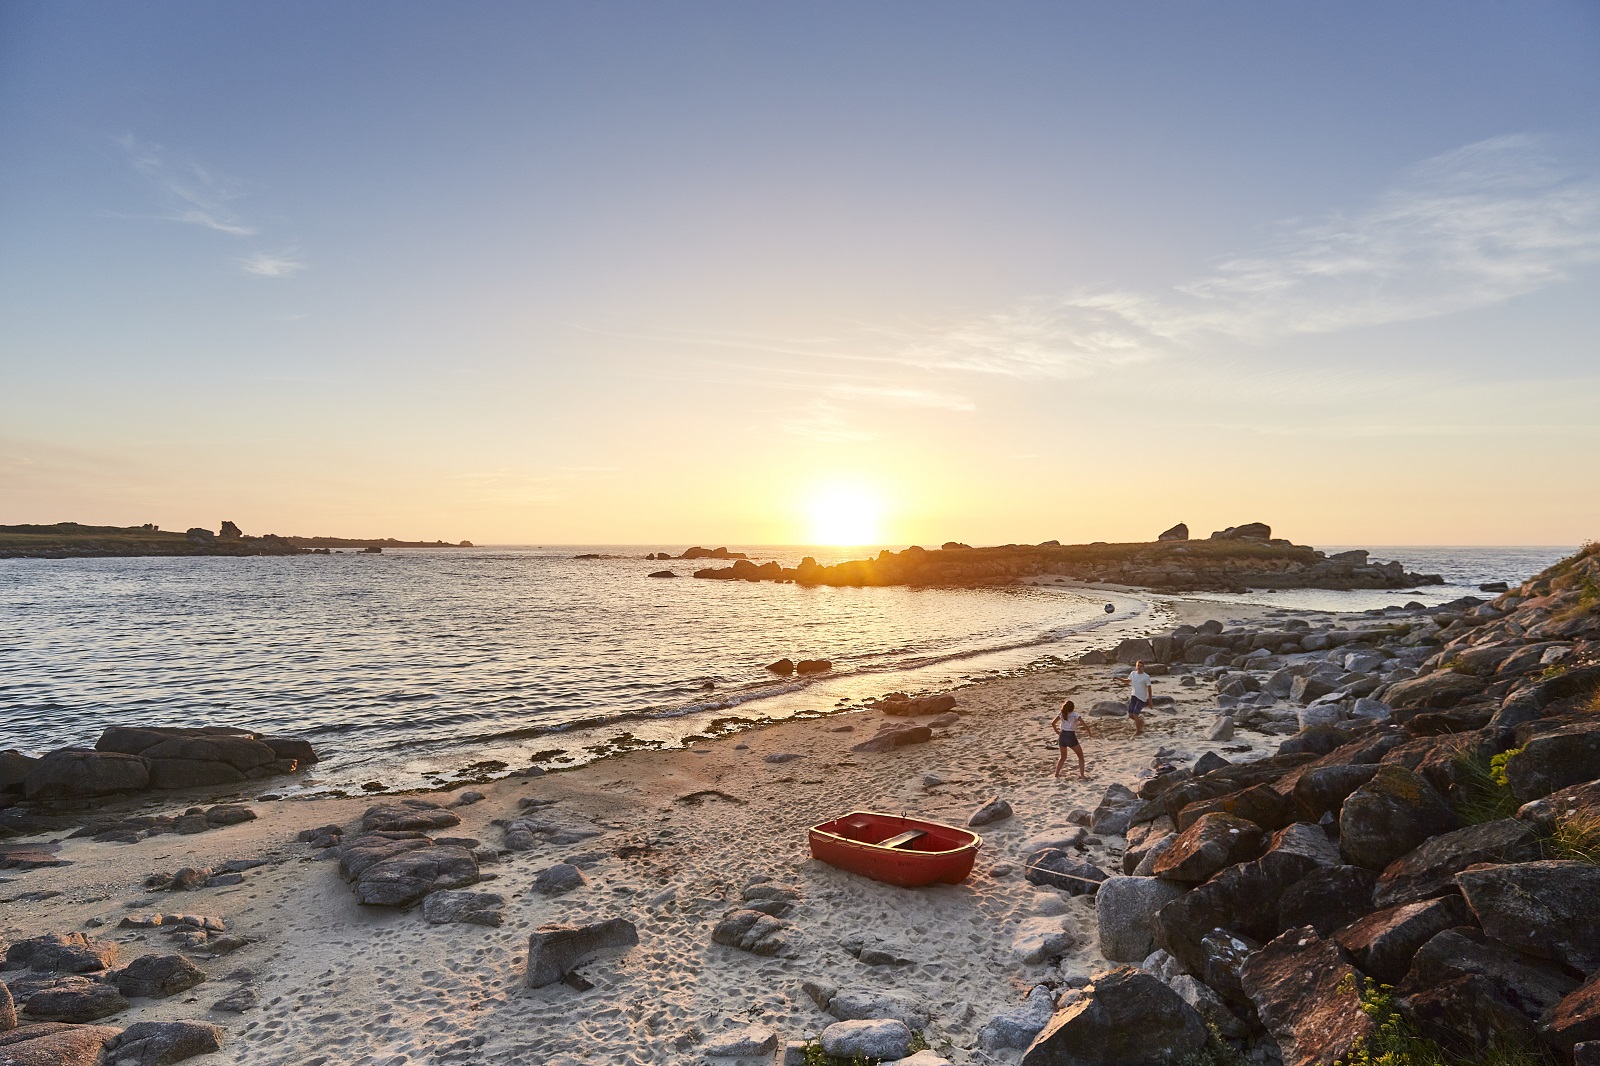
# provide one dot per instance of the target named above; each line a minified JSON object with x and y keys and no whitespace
{"x":425,"y":668}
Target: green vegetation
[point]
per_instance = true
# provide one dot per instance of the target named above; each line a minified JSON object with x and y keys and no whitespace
{"x":1482,"y":793}
{"x":1577,"y":836}
{"x":1497,"y":766}
{"x":1396,"y":1042}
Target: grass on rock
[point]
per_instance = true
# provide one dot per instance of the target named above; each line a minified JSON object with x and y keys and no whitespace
{"x":1482,"y":793}
{"x":1396,"y":1042}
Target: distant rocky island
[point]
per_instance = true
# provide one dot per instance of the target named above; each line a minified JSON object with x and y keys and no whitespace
{"x":70,"y":540}
{"x":1232,"y":559}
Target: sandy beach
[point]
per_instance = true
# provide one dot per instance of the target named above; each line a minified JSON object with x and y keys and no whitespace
{"x":680,"y":833}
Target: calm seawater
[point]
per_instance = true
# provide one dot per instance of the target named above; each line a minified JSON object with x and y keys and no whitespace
{"x":409,"y":665}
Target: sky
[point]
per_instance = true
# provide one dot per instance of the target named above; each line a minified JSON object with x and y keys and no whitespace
{"x":721,"y":272}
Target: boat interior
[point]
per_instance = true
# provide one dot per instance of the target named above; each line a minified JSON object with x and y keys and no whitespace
{"x":887,"y":831}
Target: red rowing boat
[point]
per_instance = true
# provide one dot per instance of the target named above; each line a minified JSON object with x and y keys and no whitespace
{"x":909,"y":852}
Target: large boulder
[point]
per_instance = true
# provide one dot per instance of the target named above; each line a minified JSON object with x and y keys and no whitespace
{"x":206,"y":755}
{"x":193,"y":773}
{"x":876,"y":1040}
{"x":1115,"y":811}
{"x":14,"y":769}
{"x":1016,"y":1028}
{"x":1125,"y":910}
{"x":1058,"y":868}
{"x":52,"y":1044}
{"x":63,"y":953}
{"x":1319,"y":790}
{"x":1576,"y":1019}
{"x":74,"y":999}
{"x":78,"y":773}
{"x":1177,"y":532}
{"x":1548,"y":908}
{"x":1248,"y":531}
{"x":1135,"y":649}
{"x":1306,"y":994}
{"x":242,"y":752}
{"x":864,"y":1004}
{"x":553,"y":950}
{"x":469,"y":908}
{"x":1437,"y":691}
{"x":751,"y":930}
{"x":1210,"y":844}
{"x":157,"y":976}
{"x":1259,"y":804}
{"x":1327,"y":898}
{"x":894,"y":735}
{"x":1384,"y":942}
{"x":1043,"y":939}
{"x":414,"y":816}
{"x":403,"y":879}
{"x":160,"y":1043}
{"x":362,"y":851}
{"x":1390,"y":815}
{"x":1430,"y":869}
{"x":1548,"y":811}
{"x":1467,"y":991}
{"x":1548,"y":761}
{"x":1127,"y":1017}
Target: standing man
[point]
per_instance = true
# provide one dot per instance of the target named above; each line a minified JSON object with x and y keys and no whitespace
{"x":1139,"y":699}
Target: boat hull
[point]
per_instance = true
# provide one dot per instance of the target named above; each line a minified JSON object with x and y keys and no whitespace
{"x":939,"y":854}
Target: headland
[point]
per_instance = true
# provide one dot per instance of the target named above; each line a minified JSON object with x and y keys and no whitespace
{"x":70,"y":540}
{"x":1233,"y":559}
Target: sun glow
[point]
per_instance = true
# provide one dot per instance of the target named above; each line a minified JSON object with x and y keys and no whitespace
{"x":846,"y":515}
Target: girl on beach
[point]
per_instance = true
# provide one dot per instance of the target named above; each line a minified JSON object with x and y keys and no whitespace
{"x":1067,"y":723}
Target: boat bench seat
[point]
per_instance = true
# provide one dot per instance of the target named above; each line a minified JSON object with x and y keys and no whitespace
{"x":903,"y":838}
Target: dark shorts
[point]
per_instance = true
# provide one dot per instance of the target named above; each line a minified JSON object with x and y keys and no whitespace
{"x":1136,"y":706}
{"x":1069,"y":739}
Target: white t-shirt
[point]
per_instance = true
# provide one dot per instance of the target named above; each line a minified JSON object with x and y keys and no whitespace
{"x":1071,"y":723}
{"x":1141,"y":685}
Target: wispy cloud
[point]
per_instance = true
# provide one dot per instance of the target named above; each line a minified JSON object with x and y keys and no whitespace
{"x":192,"y":195}
{"x":826,"y":423}
{"x":270,"y":265}
{"x":899,"y":396}
{"x":1471,"y":228}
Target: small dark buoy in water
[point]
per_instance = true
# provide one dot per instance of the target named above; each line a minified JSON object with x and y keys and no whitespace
{"x":1111,"y":608}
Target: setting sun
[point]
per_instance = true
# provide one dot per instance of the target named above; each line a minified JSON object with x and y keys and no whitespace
{"x":845,"y":514}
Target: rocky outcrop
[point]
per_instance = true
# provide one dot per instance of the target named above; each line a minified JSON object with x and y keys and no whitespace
{"x":81,"y":773}
{"x":132,"y":759}
{"x":1236,"y":558}
{"x":1177,"y":532}
{"x":159,"y":1043}
{"x":48,"y":1044}
{"x":1398,"y":871}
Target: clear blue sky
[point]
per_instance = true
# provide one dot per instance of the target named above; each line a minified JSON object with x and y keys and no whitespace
{"x":670,"y":271}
